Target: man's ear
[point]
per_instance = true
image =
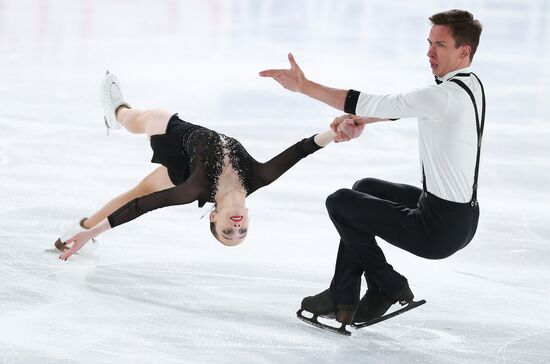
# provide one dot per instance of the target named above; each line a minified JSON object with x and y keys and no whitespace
{"x":212,"y":216}
{"x":465,"y":51}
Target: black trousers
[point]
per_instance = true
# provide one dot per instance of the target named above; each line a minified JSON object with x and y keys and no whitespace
{"x":404,"y":216}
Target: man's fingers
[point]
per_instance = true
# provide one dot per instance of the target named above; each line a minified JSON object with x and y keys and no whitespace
{"x":271,"y":73}
{"x":293,"y":64}
{"x":341,"y":137}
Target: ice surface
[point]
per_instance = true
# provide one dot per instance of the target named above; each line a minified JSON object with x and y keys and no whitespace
{"x":160,"y":289}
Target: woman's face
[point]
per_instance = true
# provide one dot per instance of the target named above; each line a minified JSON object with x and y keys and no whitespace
{"x":231,"y":224}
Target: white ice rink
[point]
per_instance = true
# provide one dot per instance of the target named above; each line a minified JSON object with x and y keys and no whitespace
{"x":160,"y":289}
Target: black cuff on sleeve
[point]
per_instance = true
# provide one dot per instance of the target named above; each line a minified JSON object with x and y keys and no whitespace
{"x":111,"y":222}
{"x":351,"y":101}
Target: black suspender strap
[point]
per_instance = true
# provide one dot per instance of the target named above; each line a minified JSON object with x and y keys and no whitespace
{"x":424,"y":180}
{"x":479,"y":128}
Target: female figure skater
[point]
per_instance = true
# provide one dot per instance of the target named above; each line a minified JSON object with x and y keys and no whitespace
{"x":198,"y":164}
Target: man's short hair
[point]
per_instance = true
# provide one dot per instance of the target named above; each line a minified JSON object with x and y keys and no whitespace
{"x":464,"y":28}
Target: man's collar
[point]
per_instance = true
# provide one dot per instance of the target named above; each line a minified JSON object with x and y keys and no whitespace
{"x":452,"y":73}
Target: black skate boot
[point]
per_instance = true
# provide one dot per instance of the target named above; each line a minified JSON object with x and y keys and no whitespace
{"x":345,"y":313}
{"x":322,"y":305}
{"x":375,"y":304}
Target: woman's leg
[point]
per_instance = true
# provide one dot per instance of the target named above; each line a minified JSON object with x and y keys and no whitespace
{"x":148,"y":122}
{"x":155,"y":181}
{"x":137,"y":121}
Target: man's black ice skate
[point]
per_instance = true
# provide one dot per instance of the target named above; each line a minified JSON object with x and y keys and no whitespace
{"x":375,"y":304}
{"x":322,"y":305}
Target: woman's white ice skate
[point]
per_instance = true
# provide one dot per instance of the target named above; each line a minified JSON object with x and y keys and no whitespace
{"x":111,"y":99}
{"x":75,"y":229}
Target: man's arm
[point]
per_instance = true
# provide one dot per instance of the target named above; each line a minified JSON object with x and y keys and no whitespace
{"x":293,"y":79}
{"x":429,"y":101}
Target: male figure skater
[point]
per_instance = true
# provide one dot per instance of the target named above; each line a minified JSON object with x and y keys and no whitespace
{"x":433,"y":222}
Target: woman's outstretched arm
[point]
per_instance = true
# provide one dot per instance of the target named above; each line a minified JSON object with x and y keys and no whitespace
{"x":325,"y":138}
{"x":263,"y":174}
{"x":157,"y":180}
{"x":343,"y":128}
{"x":179,"y":195}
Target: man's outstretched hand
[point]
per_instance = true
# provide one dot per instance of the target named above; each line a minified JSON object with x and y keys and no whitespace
{"x":292,"y":79}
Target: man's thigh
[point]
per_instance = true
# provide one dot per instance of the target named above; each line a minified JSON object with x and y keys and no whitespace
{"x":397,"y":192}
{"x":360,"y":216}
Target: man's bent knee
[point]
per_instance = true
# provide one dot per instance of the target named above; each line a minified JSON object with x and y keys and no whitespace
{"x":338,"y":198}
{"x":365,"y":184}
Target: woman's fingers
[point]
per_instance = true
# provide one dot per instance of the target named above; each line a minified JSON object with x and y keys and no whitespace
{"x":77,"y":242}
{"x":334,"y":125}
{"x":341,"y":137}
{"x":66,"y":255}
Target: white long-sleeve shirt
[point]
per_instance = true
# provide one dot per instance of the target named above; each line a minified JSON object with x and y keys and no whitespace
{"x":447,"y":130}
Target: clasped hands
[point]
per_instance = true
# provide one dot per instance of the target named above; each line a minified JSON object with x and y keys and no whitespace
{"x":348,"y":127}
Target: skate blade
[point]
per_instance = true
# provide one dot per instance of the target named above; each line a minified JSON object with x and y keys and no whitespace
{"x":60,"y":246}
{"x":107,"y":127}
{"x":52,"y":251}
{"x":313,"y":321}
{"x":408,"y":307}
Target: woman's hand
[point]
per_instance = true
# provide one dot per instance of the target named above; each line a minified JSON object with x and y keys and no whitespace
{"x":292,"y":79}
{"x":78,"y":241}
